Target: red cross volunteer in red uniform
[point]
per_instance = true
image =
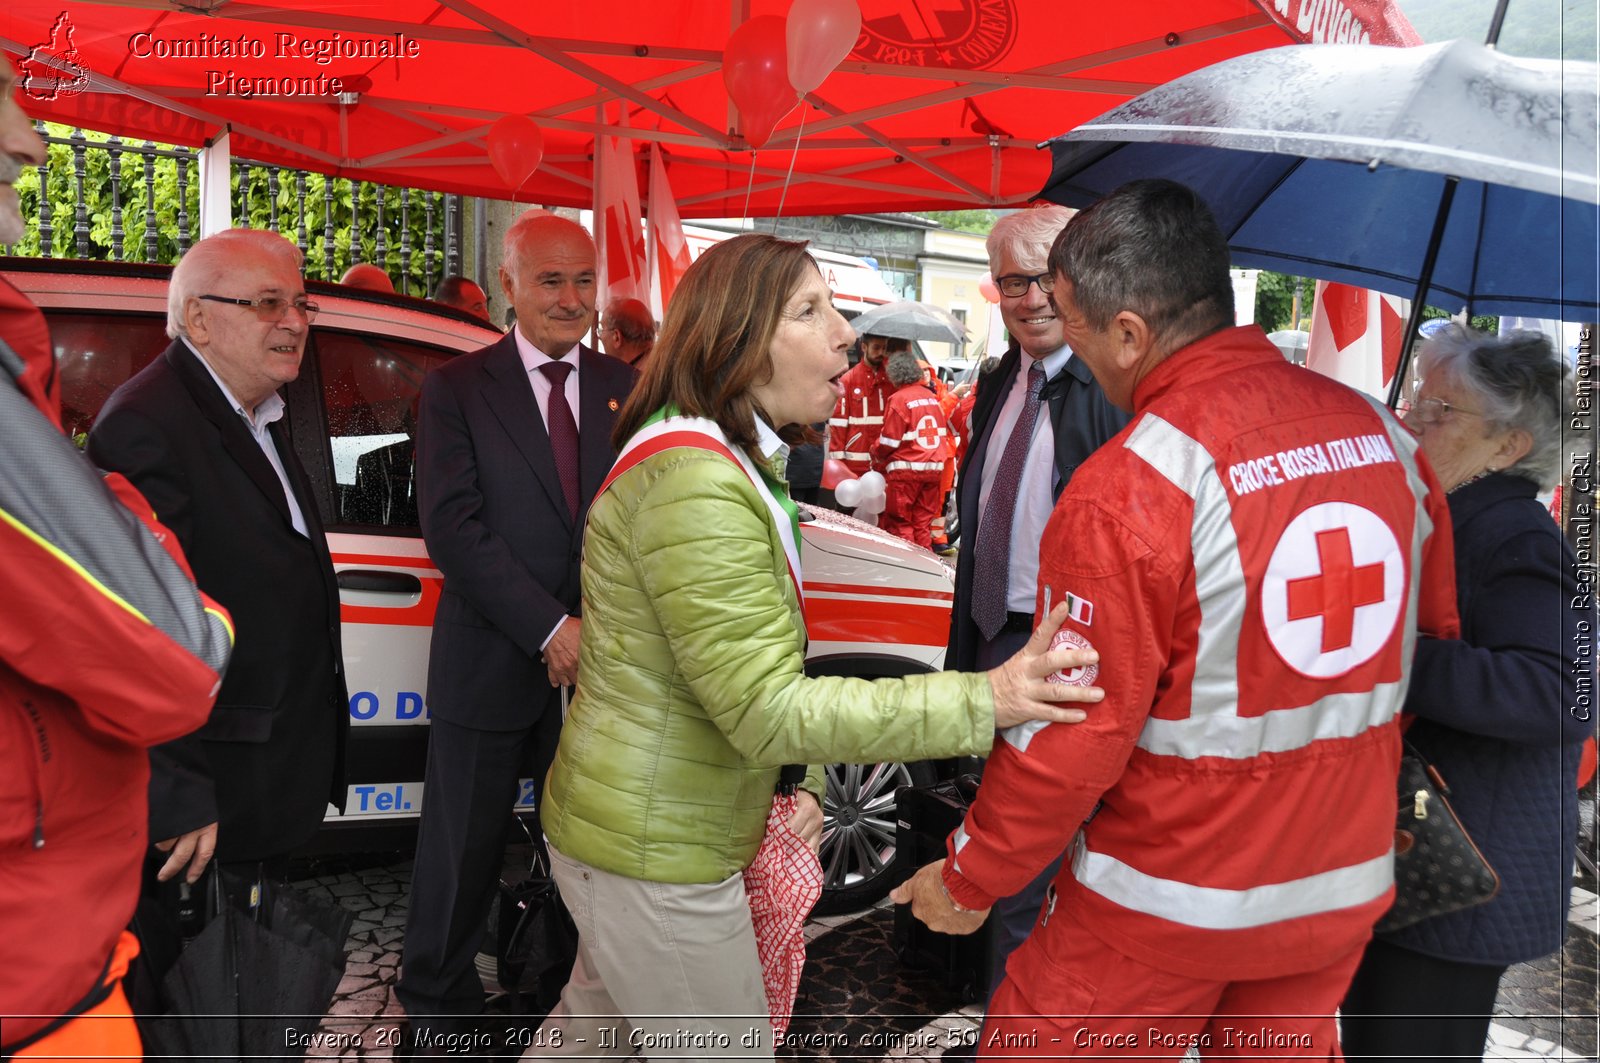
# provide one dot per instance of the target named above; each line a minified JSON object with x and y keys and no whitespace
{"x":911,"y":453}
{"x":857,"y":419}
{"x":1253,"y":557}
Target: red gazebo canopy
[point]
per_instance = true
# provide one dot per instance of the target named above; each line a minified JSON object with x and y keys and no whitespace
{"x":940,"y":105}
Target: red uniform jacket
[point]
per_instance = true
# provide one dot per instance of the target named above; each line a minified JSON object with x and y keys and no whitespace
{"x":858,"y":419}
{"x":914,"y":442}
{"x":106,"y":648}
{"x":1253,"y":557}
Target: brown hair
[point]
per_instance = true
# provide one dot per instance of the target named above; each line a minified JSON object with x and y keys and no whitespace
{"x":715,"y":344}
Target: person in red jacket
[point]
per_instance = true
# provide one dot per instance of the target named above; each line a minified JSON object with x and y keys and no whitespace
{"x":1253,"y":557}
{"x":857,"y":420}
{"x":106,"y":648}
{"x":911,"y":452}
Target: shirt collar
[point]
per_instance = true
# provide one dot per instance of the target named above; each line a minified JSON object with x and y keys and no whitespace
{"x":768,"y":442}
{"x":532,"y":357}
{"x":268,"y":410}
{"x":1052,"y":363}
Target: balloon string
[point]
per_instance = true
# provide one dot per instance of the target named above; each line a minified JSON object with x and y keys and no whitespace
{"x":793,"y":155}
{"x":749,"y":186}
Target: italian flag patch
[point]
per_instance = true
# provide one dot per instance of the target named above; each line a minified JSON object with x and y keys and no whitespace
{"x":1079,"y":610}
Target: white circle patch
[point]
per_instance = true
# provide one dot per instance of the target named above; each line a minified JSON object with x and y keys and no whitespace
{"x":1333,"y":589}
{"x":1067,"y":639}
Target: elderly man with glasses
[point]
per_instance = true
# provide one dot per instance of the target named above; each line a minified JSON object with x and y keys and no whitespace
{"x":200,"y":432}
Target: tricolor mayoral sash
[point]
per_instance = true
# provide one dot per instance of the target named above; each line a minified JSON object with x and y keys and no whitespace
{"x":663,"y":432}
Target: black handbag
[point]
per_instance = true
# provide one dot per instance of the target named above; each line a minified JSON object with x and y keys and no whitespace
{"x":1437,"y":867}
{"x":535,"y":939}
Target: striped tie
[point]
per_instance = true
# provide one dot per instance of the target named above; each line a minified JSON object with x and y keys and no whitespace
{"x":563,"y":430}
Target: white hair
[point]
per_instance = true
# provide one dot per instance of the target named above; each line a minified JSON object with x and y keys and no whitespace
{"x":1026,"y":235}
{"x":528,"y":226}
{"x":208,"y":261}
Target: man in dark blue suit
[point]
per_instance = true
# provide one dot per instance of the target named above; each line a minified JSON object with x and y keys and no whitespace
{"x":513,"y":441}
{"x":1011,"y":477}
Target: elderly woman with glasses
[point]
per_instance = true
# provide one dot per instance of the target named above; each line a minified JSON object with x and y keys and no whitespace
{"x":1500,"y":712}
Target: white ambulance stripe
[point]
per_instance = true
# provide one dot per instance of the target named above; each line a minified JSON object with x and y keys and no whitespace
{"x":1219,"y":575}
{"x":1219,"y":909}
{"x":1336,"y":716}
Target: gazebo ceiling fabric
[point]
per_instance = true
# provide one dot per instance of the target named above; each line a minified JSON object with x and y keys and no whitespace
{"x":941,"y":105}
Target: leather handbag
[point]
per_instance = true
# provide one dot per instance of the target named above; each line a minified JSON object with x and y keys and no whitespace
{"x":1437,"y":867}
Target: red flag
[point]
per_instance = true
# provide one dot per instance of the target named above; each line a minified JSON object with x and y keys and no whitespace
{"x":619,"y":230}
{"x":1356,"y":336}
{"x":669,"y":251}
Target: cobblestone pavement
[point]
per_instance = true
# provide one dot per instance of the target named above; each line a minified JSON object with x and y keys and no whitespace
{"x":858,"y":1001}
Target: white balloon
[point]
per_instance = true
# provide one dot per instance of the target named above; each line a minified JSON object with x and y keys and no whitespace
{"x":848,"y":493}
{"x":874,"y":492}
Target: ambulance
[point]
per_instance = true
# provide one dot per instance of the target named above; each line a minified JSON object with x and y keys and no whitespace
{"x":876,"y":605}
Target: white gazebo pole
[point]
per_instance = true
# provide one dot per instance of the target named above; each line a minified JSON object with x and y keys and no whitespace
{"x":216,"y":199}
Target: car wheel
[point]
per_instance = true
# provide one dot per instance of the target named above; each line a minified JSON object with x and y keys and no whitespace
{"x":858,"y":829}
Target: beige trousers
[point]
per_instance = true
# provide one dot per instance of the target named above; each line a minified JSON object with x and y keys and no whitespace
{"x":664,"y":970}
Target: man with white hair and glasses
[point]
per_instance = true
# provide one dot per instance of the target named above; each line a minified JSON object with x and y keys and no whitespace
{"x":200,"y":431}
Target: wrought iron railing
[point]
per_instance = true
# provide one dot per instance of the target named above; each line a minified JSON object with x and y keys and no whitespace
{"x":103,"y":197}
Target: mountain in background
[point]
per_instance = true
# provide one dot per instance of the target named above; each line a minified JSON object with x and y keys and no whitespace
{"x":1541,"y":29}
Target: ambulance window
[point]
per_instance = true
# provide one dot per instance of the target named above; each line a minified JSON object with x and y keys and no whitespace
{"x":95,"y":353}
{"x":370,"y":386}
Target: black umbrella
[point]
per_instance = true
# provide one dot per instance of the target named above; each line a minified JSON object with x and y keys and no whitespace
{"x":252,"y":983}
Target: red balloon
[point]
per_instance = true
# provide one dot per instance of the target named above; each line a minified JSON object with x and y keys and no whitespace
{"x":987,"y":288}
{"x":516,"y":147}
{"x":755,"y":67}
{"x":820,"y":34}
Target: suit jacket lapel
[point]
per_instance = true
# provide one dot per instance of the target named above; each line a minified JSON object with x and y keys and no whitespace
{"x":237,"y":441}
{"x":599,"y":400}
{"x":984,"y":411}
{"x":509,"y":394}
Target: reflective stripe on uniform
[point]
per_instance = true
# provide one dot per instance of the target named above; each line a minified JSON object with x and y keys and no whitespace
{"x":1214,"y":727}
{"x":916,"y":466}
{"x":1221,"y":909}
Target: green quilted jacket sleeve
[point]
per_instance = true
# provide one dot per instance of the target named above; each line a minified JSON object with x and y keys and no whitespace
{"x":705,"y":551}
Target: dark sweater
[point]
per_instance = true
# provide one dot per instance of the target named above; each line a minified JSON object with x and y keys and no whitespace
{"x":1499,"y":713}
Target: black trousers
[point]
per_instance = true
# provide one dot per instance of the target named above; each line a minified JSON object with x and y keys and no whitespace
{"x":1405,"y":1007}
{"x":470,"y":787}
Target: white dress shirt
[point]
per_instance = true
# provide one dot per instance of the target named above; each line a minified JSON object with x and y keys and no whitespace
{"x":256,"y":423}
{"x":1036,"y":492}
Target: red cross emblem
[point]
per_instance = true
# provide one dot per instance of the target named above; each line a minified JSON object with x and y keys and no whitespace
{"x":1335,"y":594}
{"x":928,"y":431}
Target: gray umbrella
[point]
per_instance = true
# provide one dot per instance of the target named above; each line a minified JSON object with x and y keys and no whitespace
{"x":1450,"y":173}
{"x":909,"y":320}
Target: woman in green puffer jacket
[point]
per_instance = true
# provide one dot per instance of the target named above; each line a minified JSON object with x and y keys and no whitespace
{"x":693,"y":693}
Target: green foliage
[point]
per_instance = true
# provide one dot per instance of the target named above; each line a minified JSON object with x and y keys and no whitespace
{"x":964,"y":221}
{"x":1275,"y":300}
{"x":271,"y":201}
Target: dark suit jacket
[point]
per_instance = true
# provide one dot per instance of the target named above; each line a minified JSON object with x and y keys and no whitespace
{"x":271,"y":756}
{"x":1083,"y":418}
{"x":497,"y":525}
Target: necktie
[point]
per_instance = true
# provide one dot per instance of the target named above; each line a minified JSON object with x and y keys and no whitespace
{"x":563,"y":430}
{"x":993,"y":546}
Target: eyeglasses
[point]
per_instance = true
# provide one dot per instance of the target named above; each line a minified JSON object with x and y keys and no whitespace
{"x":270,"y":307}
{"x":1015,"y":285}
{"x":1432,"y":411}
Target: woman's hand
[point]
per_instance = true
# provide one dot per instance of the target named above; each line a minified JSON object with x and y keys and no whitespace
{"x":1022,"y":691}
{"x":807,"y":819}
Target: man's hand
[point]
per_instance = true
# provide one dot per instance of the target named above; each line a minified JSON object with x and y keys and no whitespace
{"x":807,"y":819}
{"x":194,"y":849}
{"x":1022,"y":689}
{"x":561,"y":653}
{"x":929,"y":902}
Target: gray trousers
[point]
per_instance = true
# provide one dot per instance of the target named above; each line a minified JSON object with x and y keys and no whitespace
{"x":667,"y":969}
